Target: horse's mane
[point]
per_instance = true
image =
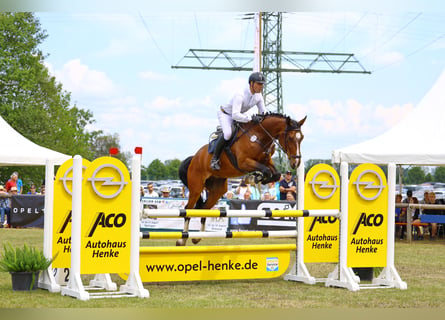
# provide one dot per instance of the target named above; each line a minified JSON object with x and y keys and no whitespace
{"x":289,"y":120}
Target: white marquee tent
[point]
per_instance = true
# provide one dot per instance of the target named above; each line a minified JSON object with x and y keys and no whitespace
{"x":16,"y":150}
{"x":418,"y":139}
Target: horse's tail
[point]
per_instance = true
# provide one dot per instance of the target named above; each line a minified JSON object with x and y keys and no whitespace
{"x":183,"y":168}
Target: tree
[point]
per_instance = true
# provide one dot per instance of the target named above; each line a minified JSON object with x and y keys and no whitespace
{"x":31,"y":100}
{"x":439,"y":174}
{"x":414,"y":175}
{"x":172,"y":167}
{"x":156,"y":170}
{"x":312,"y":162}
{"x":101,"y":145}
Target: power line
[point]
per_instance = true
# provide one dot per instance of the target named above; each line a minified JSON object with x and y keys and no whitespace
{"x":350,"y":31}
{"x":197,"y":30}
{"x":394,"y":34}
{"x":153,"y":39}
{"x":414,"y":52}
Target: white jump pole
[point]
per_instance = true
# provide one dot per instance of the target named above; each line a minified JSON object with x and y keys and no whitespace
{"x":46,"y":279}
{"x":75,"y":286}
{"x":134,"y":282}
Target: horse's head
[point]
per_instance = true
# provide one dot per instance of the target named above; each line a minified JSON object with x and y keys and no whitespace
{"x":291,"y":139}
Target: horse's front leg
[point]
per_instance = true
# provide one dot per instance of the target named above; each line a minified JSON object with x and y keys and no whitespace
{"x":182,"y":242}
{"x":262,"y":171}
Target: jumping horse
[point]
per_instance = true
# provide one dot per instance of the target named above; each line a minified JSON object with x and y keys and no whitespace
{"x":250,"y":151}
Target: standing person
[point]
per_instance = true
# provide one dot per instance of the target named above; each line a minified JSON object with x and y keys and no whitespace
{"x":12,"y":182}
{"x":150,"y":191}
{"x":235,"y":111}
{"x":19,"y":183}
{"x":4,"y":208}
{"x":242,"y":189}
{"x":288,"y":185}
{"x":271,"y":190}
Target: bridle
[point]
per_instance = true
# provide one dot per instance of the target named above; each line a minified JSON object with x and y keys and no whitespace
{"x":275,"y":141}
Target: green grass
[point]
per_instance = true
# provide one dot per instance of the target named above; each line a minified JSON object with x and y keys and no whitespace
{"x":421,"y":264}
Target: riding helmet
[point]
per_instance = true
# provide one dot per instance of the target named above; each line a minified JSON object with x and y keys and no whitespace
{"x":257,"y":77}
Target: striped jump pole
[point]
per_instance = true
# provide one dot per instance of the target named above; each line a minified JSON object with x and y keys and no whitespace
{"x":219,"y":235}
{"x":222,"y":213}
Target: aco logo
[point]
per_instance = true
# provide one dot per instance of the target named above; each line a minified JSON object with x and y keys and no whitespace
{"x":369,"y":185}
{"x":108,"y":221}
{"x":321,"y":221}
{"x":110,"y":184}
{"x":369,"y":220}
{"x":319,"y":187}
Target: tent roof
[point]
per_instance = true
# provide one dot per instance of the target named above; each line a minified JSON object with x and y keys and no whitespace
{"x":417,"y":139}
{"x":16,"y":150}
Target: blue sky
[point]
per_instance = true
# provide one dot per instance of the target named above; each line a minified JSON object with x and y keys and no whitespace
{"x":118,"y":65}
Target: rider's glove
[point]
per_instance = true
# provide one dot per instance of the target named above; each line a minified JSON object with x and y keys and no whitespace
{"x":256,"y":118}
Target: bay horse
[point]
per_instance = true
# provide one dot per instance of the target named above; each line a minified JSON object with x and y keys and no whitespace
{"x":252,"y":151}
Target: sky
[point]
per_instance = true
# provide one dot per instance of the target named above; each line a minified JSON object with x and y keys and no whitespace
{"x":119,"y":66}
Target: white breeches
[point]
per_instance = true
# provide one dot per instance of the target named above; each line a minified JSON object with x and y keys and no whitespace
{"x":225,"y":121}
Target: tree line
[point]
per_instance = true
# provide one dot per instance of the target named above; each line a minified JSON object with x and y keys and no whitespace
{"x":36,"y":105}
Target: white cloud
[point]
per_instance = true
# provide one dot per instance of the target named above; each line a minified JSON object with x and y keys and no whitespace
{"x":387,"y":58}
{"x":79,"y":79}
{"x":155,"y":76}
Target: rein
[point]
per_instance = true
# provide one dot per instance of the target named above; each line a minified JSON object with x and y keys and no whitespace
{"x":276,"y":141}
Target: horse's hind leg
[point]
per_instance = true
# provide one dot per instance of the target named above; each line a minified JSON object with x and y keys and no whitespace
{"x":216,"y":187}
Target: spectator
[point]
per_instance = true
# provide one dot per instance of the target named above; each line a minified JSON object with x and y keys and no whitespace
{"x":165,"y":192}
{"x":288,"y":185}
{"x":277,"y":187}
{"x":247,"y":195}
{"x":266,"y":196}
{"x":415,"y":217}
{"x":432,"y":200}
{"x":33,"y":189}
{"x":403,"y":213}
{"x":229,"y":195}
{"x":242,"y":188}
{"x":4,"y":207}
{"x":254,"y":192}
{"x":271,"y":190}
{"x":12,"y":182}
{"x":290,"y":196}
{"x":398,"y":211}
{"x":19,"y":183}
{"x":150,"y":191}
{"x":42,"y":189}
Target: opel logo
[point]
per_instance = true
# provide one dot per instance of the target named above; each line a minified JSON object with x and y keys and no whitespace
{"x":107,"y":181}
{"x":323,"y":185}
{"x":369,"y":185}
{"x":65,"y":180}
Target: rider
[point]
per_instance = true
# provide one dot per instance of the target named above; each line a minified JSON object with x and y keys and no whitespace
{"x":235,"y":110}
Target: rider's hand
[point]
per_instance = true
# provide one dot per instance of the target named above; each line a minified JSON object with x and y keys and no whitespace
{"x":256,"y":118}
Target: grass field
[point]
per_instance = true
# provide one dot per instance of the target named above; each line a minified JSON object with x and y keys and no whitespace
{"x":421,"y":264}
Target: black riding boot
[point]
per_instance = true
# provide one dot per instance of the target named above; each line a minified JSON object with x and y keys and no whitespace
{"x":214,"y":163}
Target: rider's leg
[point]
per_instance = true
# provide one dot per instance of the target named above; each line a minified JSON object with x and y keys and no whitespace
{"x":225,"y":121}
{"x":214,"y":163}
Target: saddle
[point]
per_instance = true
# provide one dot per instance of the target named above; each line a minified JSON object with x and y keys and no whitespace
{"x":214,"y":136}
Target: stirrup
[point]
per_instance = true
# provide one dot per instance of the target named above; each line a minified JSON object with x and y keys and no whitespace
{"x":214,"y":164}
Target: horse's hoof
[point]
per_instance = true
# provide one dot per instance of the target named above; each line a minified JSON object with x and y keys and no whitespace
{"x":258,"y":178}
{"x":180,"y":243}
{"x":196,"y":241}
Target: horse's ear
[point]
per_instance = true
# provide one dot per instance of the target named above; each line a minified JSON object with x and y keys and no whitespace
{"x":301,"y":122}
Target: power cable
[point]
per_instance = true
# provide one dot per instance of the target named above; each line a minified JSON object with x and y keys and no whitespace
{"x":350,"y":31}
{"x":153,"y":39}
